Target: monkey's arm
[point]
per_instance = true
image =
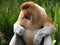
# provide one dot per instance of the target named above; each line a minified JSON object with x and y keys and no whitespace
{"x":47,"y":40}
{"x":45,"y":31}
{"x":17,"y":38}
{"x":19,"y":29}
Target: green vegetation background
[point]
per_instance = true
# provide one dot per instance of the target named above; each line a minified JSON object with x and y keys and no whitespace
{"x":10,"y":9}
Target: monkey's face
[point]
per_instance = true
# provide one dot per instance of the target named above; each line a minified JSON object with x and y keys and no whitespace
{"x":30,"y":12}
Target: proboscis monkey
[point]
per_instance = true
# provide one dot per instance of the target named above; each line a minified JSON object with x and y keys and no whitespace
{"x":33,"y":25}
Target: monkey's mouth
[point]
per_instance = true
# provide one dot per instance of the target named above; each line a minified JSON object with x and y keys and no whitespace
{"x":28,"y":17}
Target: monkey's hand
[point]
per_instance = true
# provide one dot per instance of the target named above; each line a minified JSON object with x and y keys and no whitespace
{"x":19,"y":29}
{"x":37,"y":38}
{"x":45,"y":31}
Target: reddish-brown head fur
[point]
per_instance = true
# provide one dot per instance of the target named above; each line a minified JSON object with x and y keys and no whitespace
{"x":26,"y":5}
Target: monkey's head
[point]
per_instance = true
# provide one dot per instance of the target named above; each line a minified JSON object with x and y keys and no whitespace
{"x":32,"y":11}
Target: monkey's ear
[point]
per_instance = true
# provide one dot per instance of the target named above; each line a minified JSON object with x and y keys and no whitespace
{"x":26,"y":5}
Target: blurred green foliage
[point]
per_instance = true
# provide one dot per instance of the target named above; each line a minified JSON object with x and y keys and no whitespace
{"x":9,"y":12}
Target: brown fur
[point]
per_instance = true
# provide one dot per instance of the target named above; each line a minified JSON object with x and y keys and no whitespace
{"x":37,"y":18}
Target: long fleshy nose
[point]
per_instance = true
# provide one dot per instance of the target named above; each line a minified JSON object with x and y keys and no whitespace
{"x":26,"y":15}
